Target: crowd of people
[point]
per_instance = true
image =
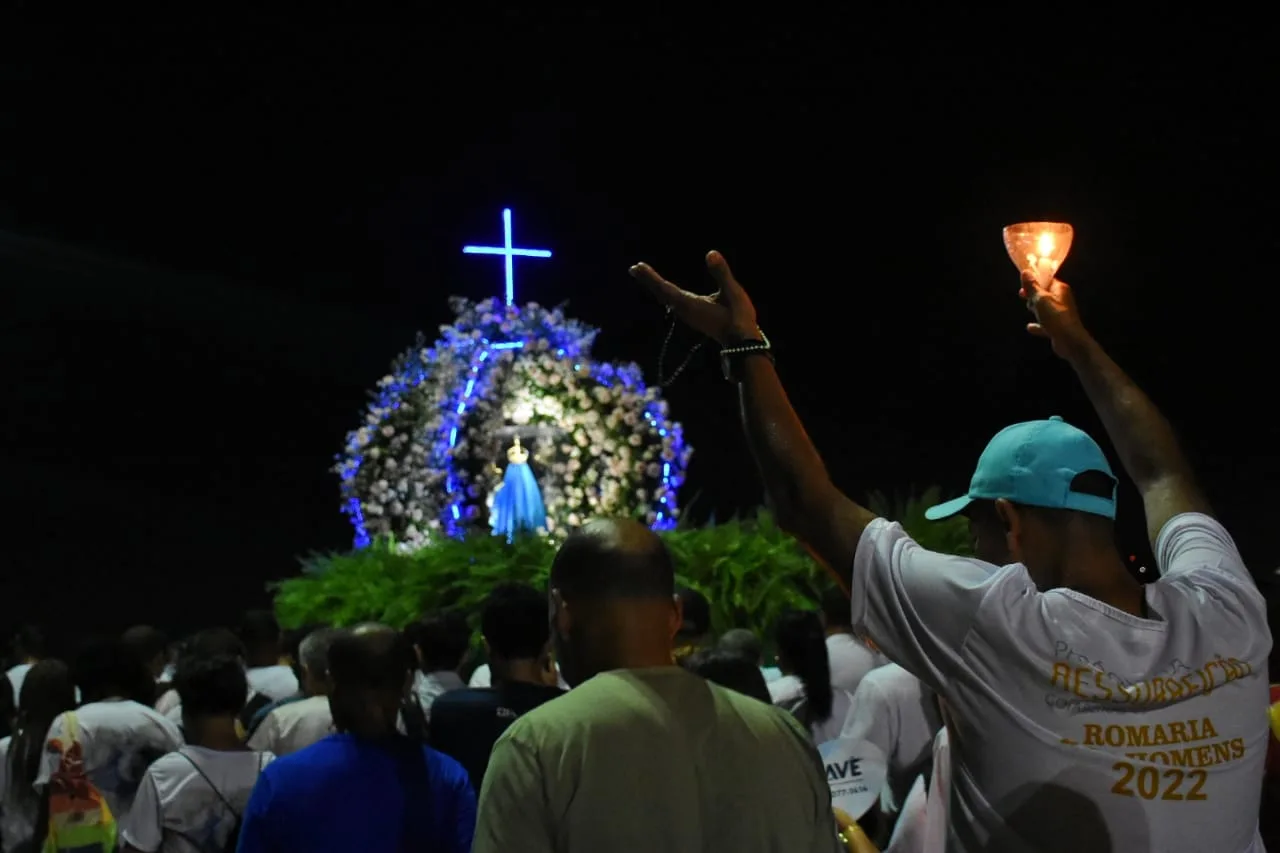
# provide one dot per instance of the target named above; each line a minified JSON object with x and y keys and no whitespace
{"x":1035,"y":697}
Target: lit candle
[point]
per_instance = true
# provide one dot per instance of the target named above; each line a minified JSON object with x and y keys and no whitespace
{"x":1039,"y":247}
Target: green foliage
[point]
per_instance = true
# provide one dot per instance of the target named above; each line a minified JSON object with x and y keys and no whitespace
{"x":949,"y":536}
{"x":750,"y":571}
{"x":384,"y":584}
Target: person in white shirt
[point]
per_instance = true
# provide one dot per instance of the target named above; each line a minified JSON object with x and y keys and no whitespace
{"x":47,"y":692}
{"x":805,"y":686}
{"x":297,"y":725}
{"x":191,"y":800}
{"x":850,"y":658}
{"x":260,"y":633}
{"x":210,"y":643}
{"x":895,"y":711}
{"x":117,"y":736}
{"x":440,"y":641}
{"x":28,"y":649}
{"x":1087,"y":706}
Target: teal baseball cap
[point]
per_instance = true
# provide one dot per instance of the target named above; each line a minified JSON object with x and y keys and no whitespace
{"x":1034,"y":463}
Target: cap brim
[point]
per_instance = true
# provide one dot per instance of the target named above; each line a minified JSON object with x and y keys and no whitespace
{"x":948,"y":508}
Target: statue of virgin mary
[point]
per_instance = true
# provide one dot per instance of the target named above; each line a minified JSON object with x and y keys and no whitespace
{"x":517,"y":505}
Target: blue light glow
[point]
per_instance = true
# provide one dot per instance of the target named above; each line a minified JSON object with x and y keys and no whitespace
{"x":509,"y":254}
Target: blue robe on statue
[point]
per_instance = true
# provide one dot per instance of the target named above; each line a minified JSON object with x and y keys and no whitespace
{"x":518,"y":504}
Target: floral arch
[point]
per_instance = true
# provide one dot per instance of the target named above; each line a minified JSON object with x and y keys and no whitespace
{"x":425,"y":461}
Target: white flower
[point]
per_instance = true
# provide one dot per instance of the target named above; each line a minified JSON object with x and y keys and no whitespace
{"x":574,"y":519}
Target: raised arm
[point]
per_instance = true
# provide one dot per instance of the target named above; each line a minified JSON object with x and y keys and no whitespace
{"x":807,"y":504}
{"x":1145,"y":441}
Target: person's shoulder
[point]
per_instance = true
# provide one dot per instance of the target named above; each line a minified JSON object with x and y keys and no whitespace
{"x":465,"y":698}
{"x":171,"y":766}
{"x":761,"y":718}
{"x":446,"y":768}
{"x":323,"y":753}
{"x":152,"y":716}
{"x":746,"y":707}
{"x":888,"y":678}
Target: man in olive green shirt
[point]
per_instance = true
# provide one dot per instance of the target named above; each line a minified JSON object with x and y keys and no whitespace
{"x":641,"y":755}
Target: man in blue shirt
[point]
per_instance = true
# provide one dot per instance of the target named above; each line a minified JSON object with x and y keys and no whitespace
{"x":367,"y":787}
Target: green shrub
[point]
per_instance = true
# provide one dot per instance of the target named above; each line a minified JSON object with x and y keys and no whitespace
{"x":750,"y":571}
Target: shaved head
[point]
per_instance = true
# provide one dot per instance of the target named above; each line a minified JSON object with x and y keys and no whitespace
{"x":371,"y":667}
{"x":613,"y":603}
{"x":611,"y":559}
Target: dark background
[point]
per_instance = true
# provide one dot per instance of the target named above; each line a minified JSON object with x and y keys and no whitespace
{"x":220,"y":227}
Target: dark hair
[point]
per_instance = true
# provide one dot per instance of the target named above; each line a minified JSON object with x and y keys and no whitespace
{"x":47,"y":691}
{"x":211,"y":686}
{"x":259,"y":631}
{"x":802,"y":646}
{"x":613,"y":558}
{"x":743,"y":643}
{"x":214,"y":642}
{"x":696,"y":610}
{"x":442,"y":639}
{"x":107,"y":667}
{"x":30,"y":641}
{"x":514,"y":621}
{"x":837,"y":612}
{"x":729,"y":670}
{"x":146,"y":642}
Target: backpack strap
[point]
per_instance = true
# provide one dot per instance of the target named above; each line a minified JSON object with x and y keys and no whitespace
{"x":209,"y":781}
{"x":72,"y":725}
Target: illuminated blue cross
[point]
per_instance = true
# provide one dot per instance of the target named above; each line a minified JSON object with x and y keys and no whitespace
{"x":508,"y":252}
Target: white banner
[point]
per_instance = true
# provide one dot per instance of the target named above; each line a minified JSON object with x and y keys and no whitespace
{"x":855,"y":773}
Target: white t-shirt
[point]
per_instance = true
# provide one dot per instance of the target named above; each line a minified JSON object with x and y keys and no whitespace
{"x":850,"y":661}
{"x":17,"y":821}
{"x":788,"y":692}
{"x":428,"y":686}
{"x":176,"y":809}
{"x":295,"y":726}
{"x":275,"y":682}
{"x":770,"y":673}
{"x":898,"y":714}
{"x":17,"y":674}
{"x":167,"y":702}
{"x":1133,"y":734}
{"x":119,"y":739}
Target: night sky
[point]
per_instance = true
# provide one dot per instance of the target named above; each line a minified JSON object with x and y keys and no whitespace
{"x":217,"y":230}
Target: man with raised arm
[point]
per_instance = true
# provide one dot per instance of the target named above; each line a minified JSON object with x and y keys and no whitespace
{"x":1089,"y":712}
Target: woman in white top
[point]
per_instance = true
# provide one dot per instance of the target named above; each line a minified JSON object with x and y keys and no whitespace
{"x":46,"y":693}
{"x":805,"y":686}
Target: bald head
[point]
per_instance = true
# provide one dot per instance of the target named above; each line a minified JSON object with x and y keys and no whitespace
{"x":613,"y":559}
{"x":370,"y":657}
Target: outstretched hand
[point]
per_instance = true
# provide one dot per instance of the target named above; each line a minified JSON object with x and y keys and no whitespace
{"x":1055,"y":311}
{"x":724,"y":316}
